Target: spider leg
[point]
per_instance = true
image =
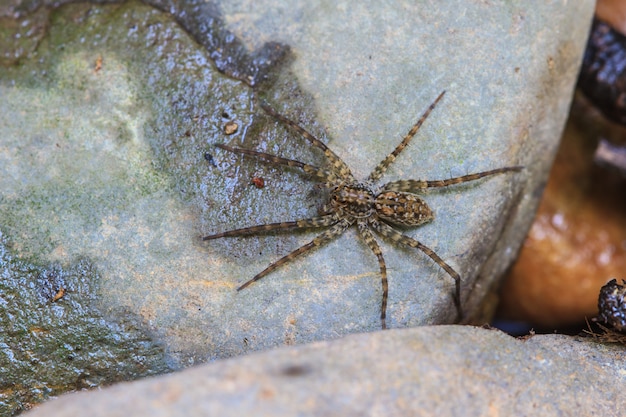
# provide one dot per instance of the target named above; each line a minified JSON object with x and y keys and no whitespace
{"x":417,"y":185}
{"x":339,"y":167}
{"x":321,"y":239}
{"x":321,"y":221}
{"x":368,"y":237}
{"x":277,"y":160}
{"x":396,"y":236}
{"x":384,"y":164}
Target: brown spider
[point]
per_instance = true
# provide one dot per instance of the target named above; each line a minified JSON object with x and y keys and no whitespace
{"x":351,"y":201}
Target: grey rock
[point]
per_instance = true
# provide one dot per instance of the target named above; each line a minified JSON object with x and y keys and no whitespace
{"x":104,"y":128}
{"x":436,"y":370}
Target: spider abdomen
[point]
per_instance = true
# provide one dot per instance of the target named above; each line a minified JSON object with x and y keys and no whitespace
{"x":402,"y":208}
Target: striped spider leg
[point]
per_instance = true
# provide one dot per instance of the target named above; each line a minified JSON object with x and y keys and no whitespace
{"x":352,"y":202}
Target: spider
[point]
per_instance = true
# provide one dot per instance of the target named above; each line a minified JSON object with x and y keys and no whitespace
{"x":358,"y":202}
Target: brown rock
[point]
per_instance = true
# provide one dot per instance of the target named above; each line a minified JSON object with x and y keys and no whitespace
{"x":576,"y":244}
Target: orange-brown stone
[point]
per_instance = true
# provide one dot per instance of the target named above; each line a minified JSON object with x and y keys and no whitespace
{"x":576,"y":244}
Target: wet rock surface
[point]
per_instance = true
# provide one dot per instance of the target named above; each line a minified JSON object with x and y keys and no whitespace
{"x":55,"y":340}
{"x":108,"y":118}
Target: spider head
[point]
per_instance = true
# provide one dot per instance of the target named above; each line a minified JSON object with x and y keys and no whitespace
{"x":401,"y":208}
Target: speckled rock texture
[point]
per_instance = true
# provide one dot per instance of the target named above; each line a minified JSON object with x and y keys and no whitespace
{"x":428,"y":371}
{"x":108,"y":169}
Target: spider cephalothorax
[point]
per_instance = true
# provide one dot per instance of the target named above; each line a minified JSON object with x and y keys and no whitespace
{"x":352,"y":201}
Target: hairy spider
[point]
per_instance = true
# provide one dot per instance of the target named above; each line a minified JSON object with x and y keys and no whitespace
{"x":351,"y":201}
